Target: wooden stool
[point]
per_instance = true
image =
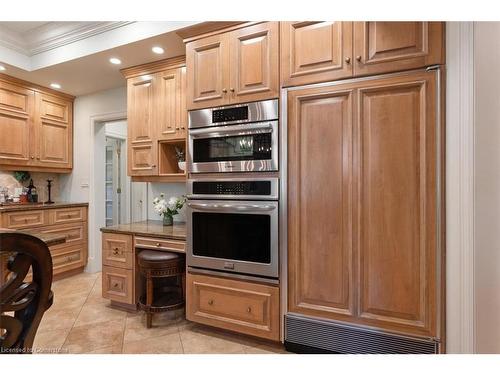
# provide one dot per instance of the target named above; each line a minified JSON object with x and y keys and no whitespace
{"x":156,"y":265}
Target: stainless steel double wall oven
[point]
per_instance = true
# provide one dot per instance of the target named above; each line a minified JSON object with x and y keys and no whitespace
{"x":233,"y":190}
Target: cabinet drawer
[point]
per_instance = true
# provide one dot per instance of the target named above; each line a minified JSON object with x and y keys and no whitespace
{"x":67,"y":215}
{"x":121,"y":243}
{"x":239,"y":306}
{"x":117,"y":284}
{"x":67,"y":258}
{"x":159,"y":244}
{"x":75,"y":233}
{"x":24,"y":219}
{"x":118,"y":258}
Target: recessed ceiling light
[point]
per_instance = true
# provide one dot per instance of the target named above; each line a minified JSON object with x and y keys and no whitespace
{"x":2,"y":68}
{"x":115,"y":61}
{"x":158,"y":50}
{"x":55,"y":85}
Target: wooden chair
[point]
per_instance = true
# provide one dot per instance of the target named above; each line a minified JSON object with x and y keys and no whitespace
{"x":28,"y":300}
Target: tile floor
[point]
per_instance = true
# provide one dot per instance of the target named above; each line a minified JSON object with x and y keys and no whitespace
{"x":81,"y":321}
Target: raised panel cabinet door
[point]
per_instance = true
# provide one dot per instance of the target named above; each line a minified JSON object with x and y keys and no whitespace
{"x":142,"y":144}
{"x":167,"y":103}
{"x":183,"y":114}
{"x":207,"y":62}
{"x":54,"y":128}
{"x":254,"y":63}
{"x":381,"y":47}
{"x":396,"y":141}
{"x":314,"y":52}
{"x":320,"y":256}
{"x":16,"y":109}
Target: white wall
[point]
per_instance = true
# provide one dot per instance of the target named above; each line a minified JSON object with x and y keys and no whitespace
{"x":487,"y":186}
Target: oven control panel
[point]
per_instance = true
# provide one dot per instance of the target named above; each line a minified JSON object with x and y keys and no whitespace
{"x":230,"y":114}
{"x":257,"y":188}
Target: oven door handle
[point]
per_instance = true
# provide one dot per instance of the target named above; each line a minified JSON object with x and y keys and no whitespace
{"x":230,"y":207}
{"x":223,"y":131}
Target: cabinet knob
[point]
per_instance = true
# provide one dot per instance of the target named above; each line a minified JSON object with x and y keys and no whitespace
{"x":115,"y":285}
{"x":249,"y":309}
{"x":211,"y":302}
{"x":32,"y":157}
{"x":358,"y":58}
{"x":231,"y":89}
{"x":153,"y":166}
{"x":158,"y":244}
{"x":38,"y":158}
{"x":348,"y":60}
{"x":224,"y":90}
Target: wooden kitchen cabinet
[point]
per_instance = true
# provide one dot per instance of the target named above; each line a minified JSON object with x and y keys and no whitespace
{"x":156,"y":107}
{"x":381,"y":47}
{"x":236,"y":66}
{"x":363,"y":158}
{"x":37,"y":127}
{"x":315,"y":52}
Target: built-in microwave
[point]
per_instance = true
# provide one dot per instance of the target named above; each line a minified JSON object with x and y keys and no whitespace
{"x":239,"y":138}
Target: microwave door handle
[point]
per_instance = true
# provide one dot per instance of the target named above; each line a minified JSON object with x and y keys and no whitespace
{"x":230,"y":207}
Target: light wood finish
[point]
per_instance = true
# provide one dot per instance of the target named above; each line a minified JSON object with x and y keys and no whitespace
{"x":204,"y":28}
{"x":315,"y":52}
{"x":24,"y":219}
{"x":16,"y":112}
{"x":156,"y":113}
{"x":142,"y":155}
{"x":235,"y":305}
{"x":118,"y":284}
{"x":320,"y":184}
{"x":374,"y":260}
{"x":41,"y":123}
{"x":254,"y":63}
{"x":117,"y":242}
{"x":117,"y":258}
{"x":392,"y":46}
{"x":71,"y":222}
{"x":207,"y":62}
{"x":67,"y":215}
{"x":54,"y":131}
{"x":395,"y":143}
{"x":159,"y":244}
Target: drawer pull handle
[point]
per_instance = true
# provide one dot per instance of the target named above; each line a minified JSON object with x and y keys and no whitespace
{"x":116,"y":252}
{"x":115,"y":285}
{"x":211,"y":302}
{"x":249,"y":310}
{"x":158,"y":244}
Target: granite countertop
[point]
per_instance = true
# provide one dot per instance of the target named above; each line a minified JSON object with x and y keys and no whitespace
{"x":37,"y":206}
{"x":50,"y":239}
{"x":152,"y":228}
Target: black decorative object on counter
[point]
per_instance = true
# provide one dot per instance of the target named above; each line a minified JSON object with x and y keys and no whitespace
{"x":32,"y":193}
{"x":49,"y":187}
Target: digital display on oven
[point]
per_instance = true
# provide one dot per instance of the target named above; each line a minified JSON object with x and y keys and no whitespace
{"x":230,"y":114}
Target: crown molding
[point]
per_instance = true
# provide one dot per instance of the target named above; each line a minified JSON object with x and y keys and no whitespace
{"x":54,"y":35}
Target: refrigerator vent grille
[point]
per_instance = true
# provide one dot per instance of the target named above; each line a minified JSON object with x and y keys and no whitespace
{"x":346,"y":339}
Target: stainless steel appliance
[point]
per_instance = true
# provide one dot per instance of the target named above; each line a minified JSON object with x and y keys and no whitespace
{"x":233,"y":226}
{"x":238,"y":138}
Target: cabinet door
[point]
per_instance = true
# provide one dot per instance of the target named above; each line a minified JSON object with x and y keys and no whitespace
{"x":142,"y":145}
{"x":167,"y":102}
{"x":392,"y":46}
{"x":183,"y":114}
{"x":254,"y":63}
{"x":320,"y":257}
{"x":54,"y":129}
{"x":16,"y":109}
{"x":315,"y":52}
{"x":395,"y":155}
{"x":207,"y":62}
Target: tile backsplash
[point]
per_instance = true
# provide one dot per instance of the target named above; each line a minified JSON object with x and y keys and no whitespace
{"x":39,"y":180}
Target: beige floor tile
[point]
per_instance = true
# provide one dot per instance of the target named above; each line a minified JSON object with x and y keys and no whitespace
{"x":167,"y":344}
{"x":266,"y":349}
{"x":71,"y":301}
{"x":117,"y":349}
{"x":50,"y":342}
{"x":205,"y":343}
{"x":73,"y":286}
{"x":86,"y":338}
{"x":135,"y":328}
{"x":58,"y":319}
{"x":92,"y":313}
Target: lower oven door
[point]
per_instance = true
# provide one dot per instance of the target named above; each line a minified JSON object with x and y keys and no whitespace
{"x":233,"y":236}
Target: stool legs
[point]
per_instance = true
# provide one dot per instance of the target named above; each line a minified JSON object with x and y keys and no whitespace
{"x":149,"y":300}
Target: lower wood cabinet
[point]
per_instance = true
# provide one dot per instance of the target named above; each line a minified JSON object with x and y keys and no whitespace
{"x":363,"y":160}
{"x":240,"y":306}
{"x":118,"y":284}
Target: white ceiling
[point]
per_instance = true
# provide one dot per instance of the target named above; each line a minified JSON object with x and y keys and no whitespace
{"x":76,"y":54}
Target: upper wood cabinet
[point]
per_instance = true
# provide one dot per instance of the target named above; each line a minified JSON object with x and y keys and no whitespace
{"x":233,"y":67}
{"x":376,"y":259}
{"x":315,"y":52}
{"x":381,"y":47}
{"x":36,"y":126}
{"x":157,"y":117}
